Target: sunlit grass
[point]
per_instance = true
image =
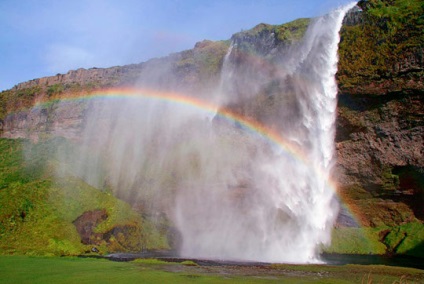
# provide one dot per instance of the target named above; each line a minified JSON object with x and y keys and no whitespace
{"x":37,"y":208}
{"x":24,"y":269}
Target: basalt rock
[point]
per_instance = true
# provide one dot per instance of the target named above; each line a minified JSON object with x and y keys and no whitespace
{"x":80,"y":77}
{"x":125,"y":237}
{"x":86,"y":225}
{"x":380,"y":113}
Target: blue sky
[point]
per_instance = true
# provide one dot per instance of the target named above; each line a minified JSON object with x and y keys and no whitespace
{"x":44,"y":37}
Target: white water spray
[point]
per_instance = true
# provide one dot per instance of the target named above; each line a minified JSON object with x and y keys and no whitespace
{"x":230,"y":195}
{"x":281,"y":209}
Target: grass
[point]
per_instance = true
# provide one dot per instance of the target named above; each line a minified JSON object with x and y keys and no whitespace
{"x":356,"y":241}
{"x":284,"y":35}
{"x":37,"y":208}
{"x":206,"y":60}
{"x":405,"y":239}
{"x":288,"y":32}
{"x":292,"y":31}
{"x":24,"y":269}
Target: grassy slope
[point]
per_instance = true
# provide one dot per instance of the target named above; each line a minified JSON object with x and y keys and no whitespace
{"x":406,"y":239}
{"x":23,"y":269}
{"x":37,"y":209}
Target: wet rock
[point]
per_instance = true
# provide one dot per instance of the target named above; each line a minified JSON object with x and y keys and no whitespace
{"x":86,"y":224}
{"x":124,"y":238}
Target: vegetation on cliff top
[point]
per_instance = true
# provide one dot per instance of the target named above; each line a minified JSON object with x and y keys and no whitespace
{"x":264,"y":38}
{"x":286,"y":33}
{"x":387,"y":45}
{"x":206,"y":59}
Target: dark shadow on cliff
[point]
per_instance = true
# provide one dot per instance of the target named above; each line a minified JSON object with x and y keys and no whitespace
{"x":361,"y":102}
{"x":410,"y":189}
{"x":417,"y":251}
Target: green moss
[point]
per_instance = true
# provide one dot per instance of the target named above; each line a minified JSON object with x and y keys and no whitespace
{"x":405,"y":239}
{"x":353,"y":117}
{"x":186,"y":62}
{"x":73,"y":87}
{"x":152,"y":236}
{"x":395,"y":17}
{"x":356,"y":241}
{"x":55,"y":89}
{"x":288,"y":32}
{"x":390,"y":180}
{"x":15,"y":100}
{"x":371,"y":51}
{"x":356,"y":192}
{"x":208,"y":59}
{"x":12,"y":100}
{"x":284,"y":34}
{"x":189,"y":263}
{"x":292,"y":31}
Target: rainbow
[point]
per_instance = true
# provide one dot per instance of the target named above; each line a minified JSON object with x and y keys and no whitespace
{"x":252,"y":126}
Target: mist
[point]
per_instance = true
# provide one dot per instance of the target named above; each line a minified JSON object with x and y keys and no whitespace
{"x":231,"y":191}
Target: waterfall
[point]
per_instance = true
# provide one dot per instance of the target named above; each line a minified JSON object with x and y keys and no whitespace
{"x":287,"y":206}
{"x":234,"y":189}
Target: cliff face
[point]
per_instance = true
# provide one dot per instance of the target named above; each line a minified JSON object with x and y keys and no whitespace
{"x":100,"y":76}
{"x":380,"y":154}
{"x":380,"y":127}
{"x":187,"y":72}
{"x":380,"y":114}
{"x":56,"y":119}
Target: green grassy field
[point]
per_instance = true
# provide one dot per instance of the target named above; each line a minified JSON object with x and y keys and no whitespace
{"x":25,"y":269}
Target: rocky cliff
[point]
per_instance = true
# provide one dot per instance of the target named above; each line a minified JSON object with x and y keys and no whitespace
{"x":188,"y":72}
{"x":380,"y":114}
{"x":81,"y":77}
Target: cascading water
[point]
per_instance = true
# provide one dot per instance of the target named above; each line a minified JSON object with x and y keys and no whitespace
{"x":231,"y":193}
{"x":285,"y":207}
